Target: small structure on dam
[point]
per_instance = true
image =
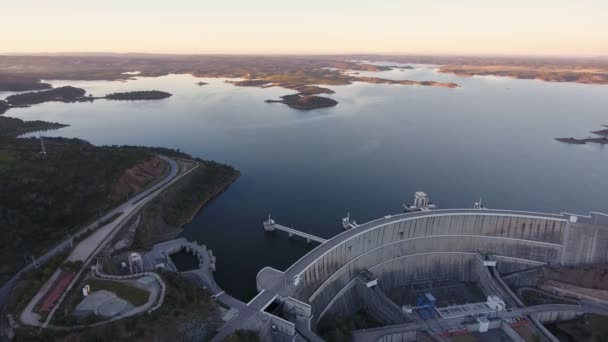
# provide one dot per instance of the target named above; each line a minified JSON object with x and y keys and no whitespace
{"x":421,"y":203}
{"x":457,"y":256}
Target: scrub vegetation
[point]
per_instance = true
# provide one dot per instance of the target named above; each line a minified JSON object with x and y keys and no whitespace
{"x":12,"y":127}
{"x":588,"y":328}
{"x":139,"y":95}
{"x":163,"y":217}
{"x":243,"y":336}
{"x":338,"y":329}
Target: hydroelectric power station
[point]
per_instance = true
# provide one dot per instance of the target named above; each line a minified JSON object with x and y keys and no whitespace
{"x":420,"y":253}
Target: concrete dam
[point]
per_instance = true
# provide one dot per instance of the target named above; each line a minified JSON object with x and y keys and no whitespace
{"x":467,"y":245}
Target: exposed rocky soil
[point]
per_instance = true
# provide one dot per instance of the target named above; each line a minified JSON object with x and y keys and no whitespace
{"x":134,"y":179}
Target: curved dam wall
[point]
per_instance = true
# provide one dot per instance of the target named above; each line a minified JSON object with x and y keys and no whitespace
{"x":443,"y":244}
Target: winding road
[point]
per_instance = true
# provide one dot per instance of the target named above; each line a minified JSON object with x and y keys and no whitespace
{"x":92,"y":244}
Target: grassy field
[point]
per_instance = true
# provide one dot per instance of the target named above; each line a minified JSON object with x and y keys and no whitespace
{"x":133,"y":295}
{"x":526,"y":333}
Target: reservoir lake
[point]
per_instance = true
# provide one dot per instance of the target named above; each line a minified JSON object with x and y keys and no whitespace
{"x":492,"y":138}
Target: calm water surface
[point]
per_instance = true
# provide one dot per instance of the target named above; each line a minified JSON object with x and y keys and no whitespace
{"x":492,"y":138}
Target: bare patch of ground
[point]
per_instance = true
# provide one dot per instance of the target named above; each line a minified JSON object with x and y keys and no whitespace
{"x":589,"y":276}
{"x":135,"y":178}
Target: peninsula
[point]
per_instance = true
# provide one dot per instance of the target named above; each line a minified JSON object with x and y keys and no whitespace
{"x":61,"y":94}
{"x":602,"y":138}
{"x":575,"y":141}
{"x":4,"y":106}
{"x":12,"y":127}
{"x":546,"y":73}
{"x":378,"y":80}
{"x":16,"y":82}
{"x":73,"y":94}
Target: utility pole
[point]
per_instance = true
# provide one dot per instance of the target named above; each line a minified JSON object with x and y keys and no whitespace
{"x":71,"y":240}
{"x":42,"y":148}
{"x":34,"y":261}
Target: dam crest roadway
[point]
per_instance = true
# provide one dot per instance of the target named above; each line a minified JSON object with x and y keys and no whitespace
{"x":470,"y":245}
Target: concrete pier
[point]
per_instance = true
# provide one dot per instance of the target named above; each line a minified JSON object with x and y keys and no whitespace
{"x":271,"y":225}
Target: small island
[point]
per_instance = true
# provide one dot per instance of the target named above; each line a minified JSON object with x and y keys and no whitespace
{"x":139,"y":95}
{"x":200,"y":84}
{"x":305,"y":102}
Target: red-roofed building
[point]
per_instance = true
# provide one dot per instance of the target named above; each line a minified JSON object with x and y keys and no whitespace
{"x":50,"y":300}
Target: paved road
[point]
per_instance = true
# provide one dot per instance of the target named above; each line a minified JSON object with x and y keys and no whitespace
{"x":129,"y":207}
{"x":93,"y":244}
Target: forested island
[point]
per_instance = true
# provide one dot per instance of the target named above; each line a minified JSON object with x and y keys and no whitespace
{"x":61,"y":94}
{"x":298,"y":101}
{"x":139,"y":95}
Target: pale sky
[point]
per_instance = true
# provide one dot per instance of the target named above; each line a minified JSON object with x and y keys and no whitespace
{"x":557,"y":27}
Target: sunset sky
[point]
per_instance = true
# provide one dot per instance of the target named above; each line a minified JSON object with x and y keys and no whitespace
{"x":557,"y":27}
